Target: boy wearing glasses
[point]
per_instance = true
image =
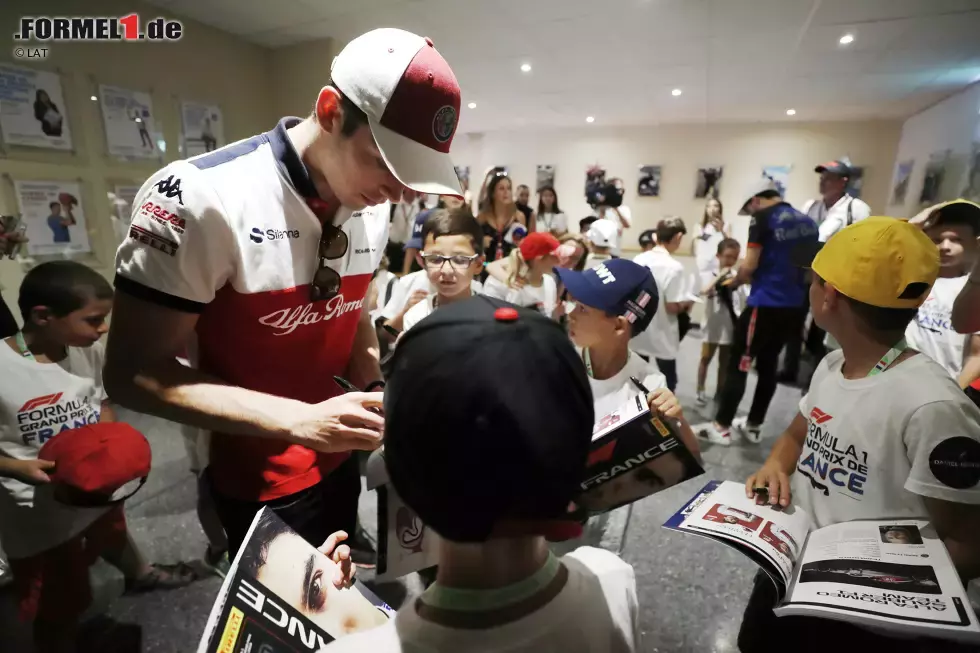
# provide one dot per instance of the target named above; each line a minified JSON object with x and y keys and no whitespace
{"x":452,"y":252}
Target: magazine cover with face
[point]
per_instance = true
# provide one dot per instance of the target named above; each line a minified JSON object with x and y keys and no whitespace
{"x":279,"y":597}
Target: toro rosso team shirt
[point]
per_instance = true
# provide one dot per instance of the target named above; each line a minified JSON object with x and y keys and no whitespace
{"x":779,"y":230}
{"x":228,"y":235}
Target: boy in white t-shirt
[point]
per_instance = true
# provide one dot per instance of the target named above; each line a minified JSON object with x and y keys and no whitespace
{"x":954,"y":228}
{"x":883,"y":432}
{"x":661,"y":340}
{"x":721,"y":308}
{"x":52,"y":383}
{"x":452,"y":256}
{"x":601,"y":235}
{"x":492,"y":466}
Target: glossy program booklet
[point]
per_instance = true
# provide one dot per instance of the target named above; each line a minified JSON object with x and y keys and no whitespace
{"x":279,"y":597}
{"x":634,"y":454}
{"x":890,"y":574}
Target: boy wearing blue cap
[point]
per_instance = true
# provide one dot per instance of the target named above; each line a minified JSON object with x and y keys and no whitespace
{"x":610,"y":304}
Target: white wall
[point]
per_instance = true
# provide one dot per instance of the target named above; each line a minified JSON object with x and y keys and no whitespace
{"x":952,"y":124}
{"x":742,"y":148}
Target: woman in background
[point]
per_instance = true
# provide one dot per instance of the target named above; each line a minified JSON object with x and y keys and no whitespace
{"x":712,"y":230}
{"x":503,"y":225}
{"x":46,"y":112}
{"x":549,"y":216}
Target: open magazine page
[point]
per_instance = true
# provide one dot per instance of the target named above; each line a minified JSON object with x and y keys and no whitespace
{"x":772,"y":538}
{"x":633,"y":455}
{"x":892,"y":574}
{"x":279,"y":597}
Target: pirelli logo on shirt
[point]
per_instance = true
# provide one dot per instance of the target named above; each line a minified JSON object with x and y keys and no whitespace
{"x":151,"y":239}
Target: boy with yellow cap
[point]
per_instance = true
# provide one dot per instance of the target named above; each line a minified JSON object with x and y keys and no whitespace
{"x":883,"y":432}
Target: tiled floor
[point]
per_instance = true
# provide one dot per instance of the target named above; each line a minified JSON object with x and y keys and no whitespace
{"x":691,"y":591}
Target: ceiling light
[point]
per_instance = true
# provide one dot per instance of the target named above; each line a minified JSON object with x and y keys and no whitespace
{"x":847,"y":39}
{"x":790,"y":112}
{"x":525,"y":67}
{"x":139,"y":120}
{"x":589,"y":119}
{"x":472,"y":105}
{"x":94,"y":99}
{"x":676,"y":92}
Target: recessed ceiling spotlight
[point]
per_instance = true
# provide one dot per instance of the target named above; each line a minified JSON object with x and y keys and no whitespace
{"x":525,"y":67}
{"x":472,"y":105}
{"x":847,"y":39}
{"x":589,"y":119}
{"x":94,"y":99}
{"x":676,"y":92}
{"x":790,"y":112}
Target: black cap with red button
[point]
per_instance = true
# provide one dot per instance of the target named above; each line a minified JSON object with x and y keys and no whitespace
{"x":488,"y":418}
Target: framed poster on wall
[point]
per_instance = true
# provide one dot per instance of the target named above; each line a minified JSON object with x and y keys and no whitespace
{"x":202,"y":127}
{"x":32,"y":109}
{"x":130,"y":126}
{"x":54,"y":217}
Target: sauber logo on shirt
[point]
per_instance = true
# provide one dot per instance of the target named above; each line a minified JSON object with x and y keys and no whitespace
{"x":149,"y":238}
{"x":289,"y":319}
{"x":258,"y":236}
{"x":42,"y":418}
{"x":819,"y":417}
{"x":159,"y":214}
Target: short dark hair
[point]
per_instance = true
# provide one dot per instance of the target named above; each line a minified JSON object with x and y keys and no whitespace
{"x":353,"y":117}
{"x":62,"y":286}
{"x":51,"y":205}
{"x":668,"y":228}
{"x":728,"y":243}
{"x":885,"y":320}
{"x":256,"y":551}
{"x":458,"y":222}
{"x":959,"y":213}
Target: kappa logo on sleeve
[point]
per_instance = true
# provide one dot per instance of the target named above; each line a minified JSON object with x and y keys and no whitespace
{"x":151,"y":239}
{"x":170,"y":188}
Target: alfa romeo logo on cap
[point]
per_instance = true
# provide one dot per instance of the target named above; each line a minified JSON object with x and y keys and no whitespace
{"x":444,"y":123}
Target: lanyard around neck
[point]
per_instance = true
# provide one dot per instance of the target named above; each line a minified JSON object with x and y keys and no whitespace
{"x":587,"y":359}
{"x":22,"y":347}
{"x":465,"y":600}
{"x":890,"y":357}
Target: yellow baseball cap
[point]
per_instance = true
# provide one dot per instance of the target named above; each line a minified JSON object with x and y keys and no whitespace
{"x":874,"y":261}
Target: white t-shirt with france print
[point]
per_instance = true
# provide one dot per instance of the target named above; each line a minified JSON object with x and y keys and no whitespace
{"x":38,"y":401}
{"x":932,"y":332}
{"x":876,"y":446}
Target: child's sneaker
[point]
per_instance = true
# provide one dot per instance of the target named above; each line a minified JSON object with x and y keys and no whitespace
{"x":702,"y":398}
{"x":751,"y":432}
{"x":714,"y":433}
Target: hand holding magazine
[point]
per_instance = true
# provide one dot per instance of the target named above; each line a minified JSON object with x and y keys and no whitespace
{"x":634,"y":454}
{"x":279,"y":595}
{"x":890,"y":574}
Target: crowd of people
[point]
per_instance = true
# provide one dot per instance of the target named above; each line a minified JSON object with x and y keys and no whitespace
{"x":478,"y":329}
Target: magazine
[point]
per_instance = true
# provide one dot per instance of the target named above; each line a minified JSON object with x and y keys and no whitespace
{"x":633,"y":455}
{"x":891,"y":574}
{"x":279,"y":596}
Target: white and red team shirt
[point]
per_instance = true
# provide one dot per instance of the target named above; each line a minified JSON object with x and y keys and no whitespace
{"x":228,"y":235}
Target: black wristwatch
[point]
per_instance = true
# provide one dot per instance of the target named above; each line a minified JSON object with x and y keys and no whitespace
{"x":375,"y":386}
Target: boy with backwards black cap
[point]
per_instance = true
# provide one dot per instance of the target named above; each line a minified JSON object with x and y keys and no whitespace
{"x":492,"y":468}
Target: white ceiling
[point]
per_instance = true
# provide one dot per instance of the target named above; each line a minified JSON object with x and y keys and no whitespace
{"x":617,"y":60}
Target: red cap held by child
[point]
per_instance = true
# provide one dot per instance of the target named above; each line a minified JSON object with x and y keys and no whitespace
{"x":99,"y":460}
{"x":539,"y":244}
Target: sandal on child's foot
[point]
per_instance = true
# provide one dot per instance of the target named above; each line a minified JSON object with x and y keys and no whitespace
{"x":162,"y":577}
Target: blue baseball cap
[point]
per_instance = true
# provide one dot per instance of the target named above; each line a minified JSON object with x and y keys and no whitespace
{"x":415,"y":242}
{"x":618,"y":287}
